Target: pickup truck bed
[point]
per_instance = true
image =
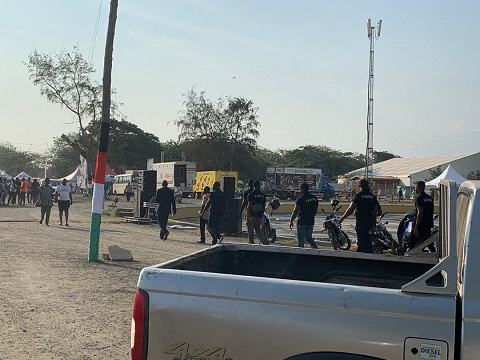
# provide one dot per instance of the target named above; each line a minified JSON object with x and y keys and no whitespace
{"x":280,"y":262}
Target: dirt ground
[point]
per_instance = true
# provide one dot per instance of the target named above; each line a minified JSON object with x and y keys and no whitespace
{"x":54,"y":304}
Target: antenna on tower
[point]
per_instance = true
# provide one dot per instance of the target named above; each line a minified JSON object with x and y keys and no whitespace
{"x":373,"y":34}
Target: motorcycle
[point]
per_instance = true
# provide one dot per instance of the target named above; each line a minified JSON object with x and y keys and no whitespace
{"x":405,"y":231}
{"x":382,"y":239}
{"x":338,"y":238}
{"x":266,"y":225}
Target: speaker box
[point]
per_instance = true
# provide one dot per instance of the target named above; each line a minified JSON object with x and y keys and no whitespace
{"x":139,"y":197}
{"x":232,"y":224}
{"x":147,"y":180}
{"x":229,"y":186}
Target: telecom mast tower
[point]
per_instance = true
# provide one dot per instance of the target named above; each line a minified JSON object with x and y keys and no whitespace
{"x":373,"y":34}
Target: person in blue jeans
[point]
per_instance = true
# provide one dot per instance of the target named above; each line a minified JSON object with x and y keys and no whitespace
{"x":306,"y":208}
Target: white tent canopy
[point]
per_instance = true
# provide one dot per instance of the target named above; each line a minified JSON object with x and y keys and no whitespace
{"x":23,"y":174}
{"x":4,"y":174}
{"x":450,"y":174}
{"x":73,"y":175}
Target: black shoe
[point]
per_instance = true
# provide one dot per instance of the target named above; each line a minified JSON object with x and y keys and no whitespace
{"x":200,"y":242}
{"x":166,"y":235}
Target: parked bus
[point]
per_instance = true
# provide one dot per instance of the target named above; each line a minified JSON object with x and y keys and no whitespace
{"x":119,"y":183}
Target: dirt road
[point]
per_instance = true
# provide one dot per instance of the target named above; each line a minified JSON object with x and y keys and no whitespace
{"x":54,"y":304}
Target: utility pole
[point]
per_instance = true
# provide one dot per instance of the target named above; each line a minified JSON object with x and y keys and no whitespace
{"x":99,"y":179}
{"x":373,"y":33}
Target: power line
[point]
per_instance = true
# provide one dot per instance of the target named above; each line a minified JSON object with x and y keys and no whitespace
{"x":95,"y":31}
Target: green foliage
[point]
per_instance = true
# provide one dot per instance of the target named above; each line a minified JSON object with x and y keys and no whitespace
{"x":474,"y":175}
{"x":331,"y":161}
{"x":129,"y":146}
{"x":13,"y":161}
{"x":434,"y":173}
{"x":221,"y":135}
{"x":379,"y":156}
{"x":65,"y":79}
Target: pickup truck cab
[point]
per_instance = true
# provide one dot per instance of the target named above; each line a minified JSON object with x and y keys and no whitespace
{"x":249,"y":302}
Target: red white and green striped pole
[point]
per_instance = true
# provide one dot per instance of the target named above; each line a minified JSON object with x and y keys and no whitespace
{"x":99,"y":178}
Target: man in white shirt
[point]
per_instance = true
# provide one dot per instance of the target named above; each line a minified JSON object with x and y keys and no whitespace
{"x":63,"y":195}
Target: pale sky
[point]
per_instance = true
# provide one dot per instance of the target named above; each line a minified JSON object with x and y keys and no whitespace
{"x":304,"y":63}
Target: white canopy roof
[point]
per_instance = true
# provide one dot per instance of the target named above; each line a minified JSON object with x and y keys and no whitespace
{"x":4,"y":174}
{"x":23,"y":174}
{"x":73,"y":175}
{"x":450,"y":174}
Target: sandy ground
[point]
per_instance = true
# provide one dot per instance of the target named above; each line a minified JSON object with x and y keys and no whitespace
{"x":54,"y":304}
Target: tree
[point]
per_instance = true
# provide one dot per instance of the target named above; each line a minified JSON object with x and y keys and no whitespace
{"x":473,"y":175}
{"x":379,"y":156}
{"x":434,"y":173}
{"x":64,"y":79}
{"x":331,"y":161}
{"x":13,"y":161}
{"x":219,"y":135}
{"x":129,"y":146}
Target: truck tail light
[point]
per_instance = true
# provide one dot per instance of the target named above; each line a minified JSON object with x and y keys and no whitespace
{"x":139,"y":334}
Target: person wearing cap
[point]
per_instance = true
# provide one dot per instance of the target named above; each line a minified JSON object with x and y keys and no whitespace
{"x":166,"y":205}
{"x":365,"y":205}
{"x":250,"y":229}
{"x":306,"y":207}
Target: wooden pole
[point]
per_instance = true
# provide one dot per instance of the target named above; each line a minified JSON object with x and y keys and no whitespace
{"x":98,"y":193}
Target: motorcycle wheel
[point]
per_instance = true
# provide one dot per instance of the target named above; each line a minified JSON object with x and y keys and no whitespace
{"x":270,"y":237}
{"x":344,"y":241}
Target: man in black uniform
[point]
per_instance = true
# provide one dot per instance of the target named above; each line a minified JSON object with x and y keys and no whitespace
{"x":365,"y":205}
{"x":217,"y":205}
{"x":250,"y":230}
{"x":166,"y":205}
{"x":256,"y":207}
{"x":306,"y":208}
{"x":422,"y":229}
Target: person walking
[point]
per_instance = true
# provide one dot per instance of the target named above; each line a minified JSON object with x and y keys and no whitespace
{"x":204,"y":214}
{"x":128,"y":191}
{"x":166,"y":205}
{"x":306,"y":207}
{"x":45,"y":200}
{"x":250,"y":229}
{"x":400,"y":194}
{"x":63,"y":195}
{"x":365,"y":205}
{"x":256,"y":207}
{"x":217,"y":206}
{"x":422,"y":229}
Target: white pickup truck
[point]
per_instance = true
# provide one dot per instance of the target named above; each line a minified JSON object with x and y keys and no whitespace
{"x":269,"y":302}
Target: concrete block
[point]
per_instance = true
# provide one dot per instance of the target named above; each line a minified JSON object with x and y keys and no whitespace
{"x":118,"y":254}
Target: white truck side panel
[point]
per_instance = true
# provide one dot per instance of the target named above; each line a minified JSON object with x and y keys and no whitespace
{"x":240,"y":314}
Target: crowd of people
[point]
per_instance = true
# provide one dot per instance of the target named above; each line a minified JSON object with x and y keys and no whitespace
{"x":15,"y":191}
